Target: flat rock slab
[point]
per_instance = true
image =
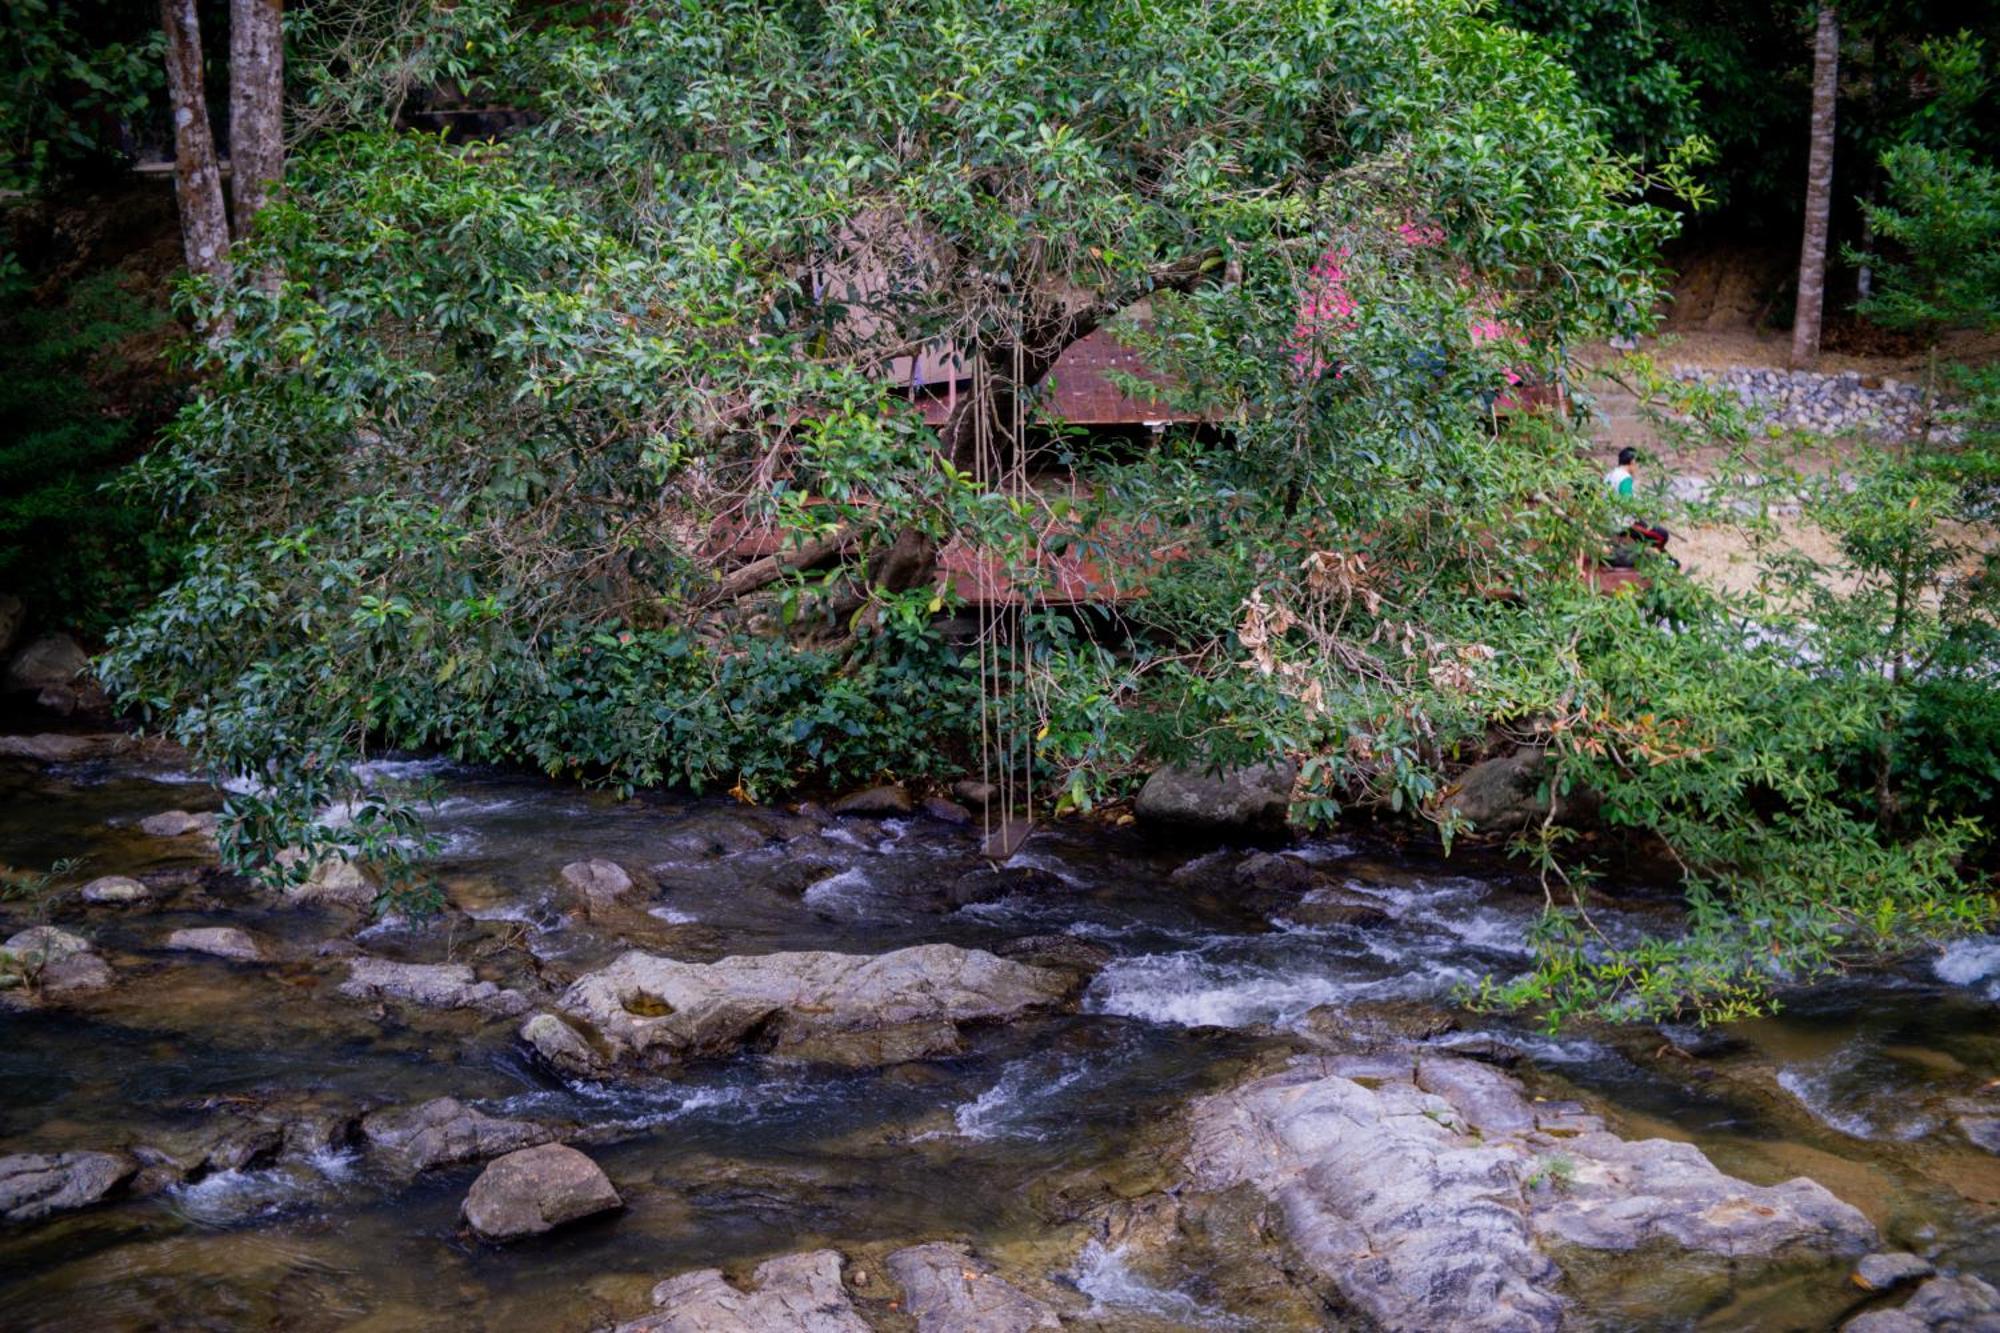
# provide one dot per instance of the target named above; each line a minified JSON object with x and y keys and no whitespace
{"x":34,"y":1185}
{"x":221,"y":941}
{"x":946,"y":1290}
{"x":445,"y":1131}
{"x":534,"y":1190}
{"x":1428,"y":1196}
{"x":64,"y":748}
{"x":432,"y":985}
{"x":855,"y":1010}
{"x":798,"y":1293}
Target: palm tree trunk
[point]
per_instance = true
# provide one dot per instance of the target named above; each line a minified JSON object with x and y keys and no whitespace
{"x":256,"y":105}
{"x":1819,"y":192}
{"x":197,"y":177}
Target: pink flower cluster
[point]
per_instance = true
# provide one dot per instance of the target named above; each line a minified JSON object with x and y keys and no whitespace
{"x":1326,"y":306}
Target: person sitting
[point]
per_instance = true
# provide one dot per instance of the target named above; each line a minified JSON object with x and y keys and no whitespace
{"x":1621,"y":482}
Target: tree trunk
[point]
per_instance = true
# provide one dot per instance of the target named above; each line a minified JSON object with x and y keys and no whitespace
{"x":197,"y":178}
{"x":1819,"y":192}
{"x":256,"y":105}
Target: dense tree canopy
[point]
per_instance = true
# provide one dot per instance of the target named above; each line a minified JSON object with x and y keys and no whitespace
{"x":482,"y":409}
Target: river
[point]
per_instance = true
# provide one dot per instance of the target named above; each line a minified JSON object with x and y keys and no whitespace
{"x":1007,"y":1146}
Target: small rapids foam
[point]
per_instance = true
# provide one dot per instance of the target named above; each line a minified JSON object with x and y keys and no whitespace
{"x":1970,"y":963}
{"x":1842,"y":1094}
{"x":1017,"y":1105}
{"x":1103,"y":1274}
{"x":848,"y":889}
{"x":1190,"y":989}
{"x":225,"y":1198}
{"x":673,"y":916}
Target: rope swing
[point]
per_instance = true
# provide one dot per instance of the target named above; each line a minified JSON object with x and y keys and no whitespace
{"x":1001,"y":654}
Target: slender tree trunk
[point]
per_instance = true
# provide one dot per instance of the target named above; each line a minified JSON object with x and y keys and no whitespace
{"x":197,"y":178}
{"x":256,"y":105}
{"x":1819,"y":192}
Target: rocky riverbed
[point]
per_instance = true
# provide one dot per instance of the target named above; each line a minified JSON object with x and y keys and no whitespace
{"x":692,"y":1067}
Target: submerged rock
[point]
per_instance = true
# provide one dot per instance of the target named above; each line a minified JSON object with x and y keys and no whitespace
{"x":845,"y":1009}
{"x":34,"y":1184}
{"x":115,"y":891}
{"x":75,"y":974}
{"x":178,"y":824}
{"x":1982,"y":1131}
{"x":1071,"y":952}
{"x":221,"y":941}
{"x":1962,"y":1304}
{"x":1256,"y":798}
{"x":946,"y":1290}
{"x":534,"y":1190}
{"x":1429,"y":1199}
{"x":797,"y":1293}
{"x":444,"y":1131}
{"x":432,"y":985}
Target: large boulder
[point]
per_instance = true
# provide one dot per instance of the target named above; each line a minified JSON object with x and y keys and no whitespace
{"x":846,"y":1009}
{"x":534,"y":1190}
{"x":1510,"y":792}
{"x":599,"y":883}
{"x":1962,"y":1304}
{"x":432,"y":985}
{"x":796,"y":1293}
{"x":890,"y":798}
{"x":445,"y":1131}
{"x":1431,"y":1194}
{"x":1254,"y":799}
{"x":946,"y":1290}
{"x":36,"y":1184}
{"x":56,"y":670}
{"x":219,"y":942}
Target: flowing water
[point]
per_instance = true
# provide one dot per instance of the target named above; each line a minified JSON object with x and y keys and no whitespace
{"x":1856,"y":1085}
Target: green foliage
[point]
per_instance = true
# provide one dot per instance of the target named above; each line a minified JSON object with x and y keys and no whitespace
{"x":75,"y":553}
{"x":73,"y":75}
{"x":1940,"y":222}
